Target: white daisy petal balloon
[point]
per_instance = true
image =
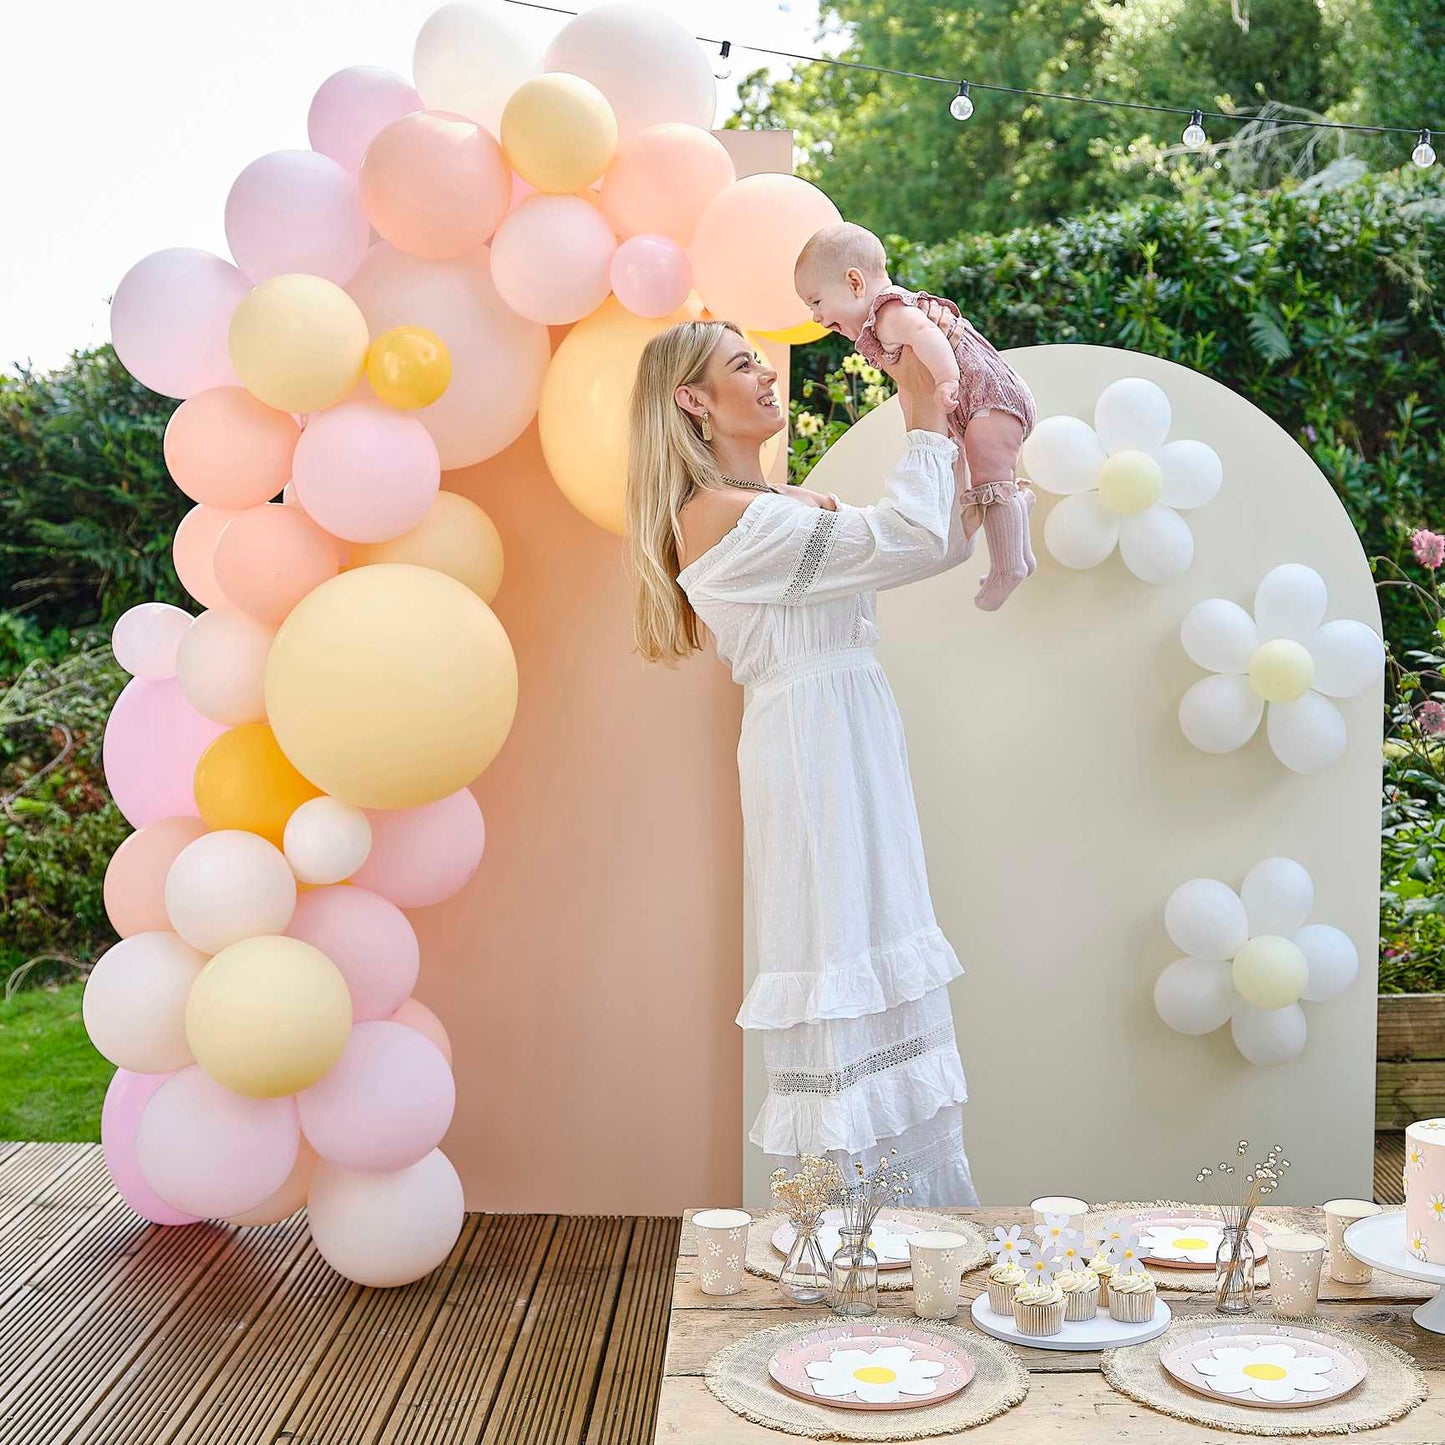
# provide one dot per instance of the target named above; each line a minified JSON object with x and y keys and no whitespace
{"x":1123,"y":485}
{"x":1269,"y":1372}
{"x":877,"y":1377}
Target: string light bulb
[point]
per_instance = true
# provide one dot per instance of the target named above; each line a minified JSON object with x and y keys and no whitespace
{"x":723,"y":69}
{"x":961,"y":106}
{"x":1424,"y":153}
{"x":1194,"y":136}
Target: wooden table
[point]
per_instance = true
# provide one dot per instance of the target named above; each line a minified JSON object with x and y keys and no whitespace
{"x":1068,"y":1401}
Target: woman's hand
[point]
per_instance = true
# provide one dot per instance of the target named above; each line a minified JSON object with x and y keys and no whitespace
{"x":922,"y":410}
{"x":942,"y":318}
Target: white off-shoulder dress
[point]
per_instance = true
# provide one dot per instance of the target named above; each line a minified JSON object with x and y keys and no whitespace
{"x":853,"y":970}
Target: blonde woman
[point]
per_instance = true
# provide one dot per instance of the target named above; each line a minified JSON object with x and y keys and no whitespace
{"x":852,"y":988}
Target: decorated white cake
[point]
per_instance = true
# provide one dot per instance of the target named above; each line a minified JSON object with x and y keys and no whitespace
{"x":1425,"y":1190}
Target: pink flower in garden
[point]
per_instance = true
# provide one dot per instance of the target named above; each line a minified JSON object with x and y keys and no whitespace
{"x":1431,"y":717}
{"x":1429,"y":548}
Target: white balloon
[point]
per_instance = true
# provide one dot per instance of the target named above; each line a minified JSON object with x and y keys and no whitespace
{"x":1193,"y":474}
{"x":1289,"y":602}
{"x":1278,"y":894}
{"x":1157,"y":545}
{"x":1333,"y":959}
{"x":134,"y":1006}
{"x":469,"y":58}
{"x":1194,"y":995}
{"x":145,"y":638}
{"x":1132,"y":414}
{"x":1219,"y":635}
{"x":221,"y":666}
{"x":326,"y":840}
{"x":1080,"y":531}
{"x":1206,"y":919}
{"x":226,"y":886}
{"x":1307,"y":734}
{"x":1219,"y":714}
{"x":1349,"y":657}
{"x":1268,"y":1036}
{"x":1063,"y":454}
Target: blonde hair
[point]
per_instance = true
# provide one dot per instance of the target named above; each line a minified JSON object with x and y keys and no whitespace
{"x":841,"y":247}
{"x":667,"y":463}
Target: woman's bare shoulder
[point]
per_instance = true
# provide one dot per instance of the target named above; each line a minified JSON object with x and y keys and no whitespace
{"x":709,"y":515}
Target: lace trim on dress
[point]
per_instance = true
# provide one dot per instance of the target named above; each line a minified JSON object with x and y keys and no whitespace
{"x":815,"y":554}
{"x":834,"y":1081}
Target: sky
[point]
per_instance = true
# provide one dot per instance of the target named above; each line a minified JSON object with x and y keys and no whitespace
{"x":129,"y":119}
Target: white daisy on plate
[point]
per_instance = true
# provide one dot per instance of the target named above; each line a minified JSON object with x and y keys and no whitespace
{"x":1123,"y":485}
{"x":1194,"y":1244}
{"x":877,"y":1377}
{"x":1008,"y":1245}
{"x":1286,"y":658}
{"x":1051,"y":1231}
{"x":1271,"y":1372}
{"x":886,"y":1243}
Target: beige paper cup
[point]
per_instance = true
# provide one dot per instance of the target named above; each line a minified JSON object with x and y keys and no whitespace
{"x":1339,"y":1215}
{"x":1058,"y":1204}
{"x":1295,"y":1263}
{"x":722,"y":1245}
{"x":936,"y":1259}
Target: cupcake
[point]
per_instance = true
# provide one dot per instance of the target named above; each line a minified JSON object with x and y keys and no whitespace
{"x":1103,"y":1268}
{"x":1039,"y":1309}
{"x":1081,"y":1293}
{"x":1131,"y":1298}
{"x":1003,"y":1279}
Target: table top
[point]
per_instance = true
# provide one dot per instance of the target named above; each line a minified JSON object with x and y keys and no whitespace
{"x":1069,"y":1402}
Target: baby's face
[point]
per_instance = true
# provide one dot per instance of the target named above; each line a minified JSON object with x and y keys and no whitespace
{"x":839,"y":301}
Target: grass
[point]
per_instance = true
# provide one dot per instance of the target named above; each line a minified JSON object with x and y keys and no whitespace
{"x":52,"y":1082}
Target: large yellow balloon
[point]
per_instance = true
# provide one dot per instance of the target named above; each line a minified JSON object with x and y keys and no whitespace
{"x":455,"y":537}
{"x":799,"y":335}
{"x":298,"y":343}
{"x":409,"y":367}
{"x":391,"y":686}
{"x":245,"y":781}
{"x":268,"y":1016}
{"x":558,"y":132}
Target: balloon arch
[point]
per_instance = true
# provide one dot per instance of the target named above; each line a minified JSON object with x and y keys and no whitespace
{"x":296,"y":760}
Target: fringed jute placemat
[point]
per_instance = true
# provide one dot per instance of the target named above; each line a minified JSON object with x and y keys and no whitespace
{"x":1197,"y":1281}
{"x":738,"y":1376}
{"x":1391,"y":1389}
{"x":762,"y":1259}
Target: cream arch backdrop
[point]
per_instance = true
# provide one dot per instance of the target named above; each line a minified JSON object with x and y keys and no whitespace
{"x":1061,"y":805}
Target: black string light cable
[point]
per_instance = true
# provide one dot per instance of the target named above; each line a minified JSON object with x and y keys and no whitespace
{"x":961,"y":104}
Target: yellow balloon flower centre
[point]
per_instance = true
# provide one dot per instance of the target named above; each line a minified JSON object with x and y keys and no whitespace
{"x":1263,"y":1372}
{"x":874,"y":1375}
{"x":1130,"y":482}
{"x":1281,"y":671}
{"x":1270,"y":972}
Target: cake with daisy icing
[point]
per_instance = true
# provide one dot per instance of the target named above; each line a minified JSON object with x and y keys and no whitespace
{"x":1425,"y":1190}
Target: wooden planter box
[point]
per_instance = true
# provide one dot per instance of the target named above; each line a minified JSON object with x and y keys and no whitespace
{"x":1410,"y":1059}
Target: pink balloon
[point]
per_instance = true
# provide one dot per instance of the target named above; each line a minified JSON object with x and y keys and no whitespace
{"x":651,"y":275}
{"x":368,"y":938}
{"x":385,"y":1104}
{"x":228,"y":450}
{"x":423,"y":855}
{"x":194,"y":550}
{"x":662,"y":181}
{"x":153,"y":740}
{"x":416,"y":1015}
{"x":268,"y":558}
{"x":296,"y":211}
{"x":352,"y":106}
{"x":365,"y":471}
{"x":126,"y":1097}
{"x":145,"y":638}
{"x":135,"y":877}
{"x":213,"y":1153}
{"x":550,"y":259}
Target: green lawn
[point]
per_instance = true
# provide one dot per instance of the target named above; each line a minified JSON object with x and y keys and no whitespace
{"x":52,"y":1082}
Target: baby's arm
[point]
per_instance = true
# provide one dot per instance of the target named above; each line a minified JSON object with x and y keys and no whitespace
{"x":900,"y":325}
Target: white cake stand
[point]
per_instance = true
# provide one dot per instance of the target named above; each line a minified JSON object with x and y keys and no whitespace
{"x":1379,"y":1240}
{"x":1101,"y":1333}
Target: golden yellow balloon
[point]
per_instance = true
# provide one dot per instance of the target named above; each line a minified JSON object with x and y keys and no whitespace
{"x":799,"y":335}
{"x":298,"y":343}
{"x":409,"y":367}
{"x":268,"y":1016}
{"x":391,"y":686}
{"x":456,"y":537}
{"x":244,"y":780}
{"x":558,"y":132}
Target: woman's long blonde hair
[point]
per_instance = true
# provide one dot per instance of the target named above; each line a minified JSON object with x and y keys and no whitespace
{"x":667,"y":462}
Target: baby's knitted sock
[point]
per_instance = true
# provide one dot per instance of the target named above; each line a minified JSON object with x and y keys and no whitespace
{"x":1005,"y":524}
{"x":1027,"y":501}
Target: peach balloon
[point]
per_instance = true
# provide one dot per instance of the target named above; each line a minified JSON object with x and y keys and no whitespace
{"x":435,"y":185}
{"x":351,"y":107}
{"x":228,"y":886}
{"x":558,"y":132}
{"x":663,"y":180}
{"x":135,"y":877}
{"x":221,"y":666}
{"x":290,"y":1197}
{"x":421,"y":856}
{"x":244,"y":781}
{"x":416,"y":1015}
{"x":193,"y":553}
{"x":266,"y":560}
{"x":456,"y":537}
{"x":135,"y":1002}
{"x":551,"y":259}
{"x":369,"y":939}
{"x":747,"y":242}
{"x":226,"y":449}
{"x":146,"y":637}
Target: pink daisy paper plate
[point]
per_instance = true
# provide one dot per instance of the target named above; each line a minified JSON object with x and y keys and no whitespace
{"x":892,"y":1365}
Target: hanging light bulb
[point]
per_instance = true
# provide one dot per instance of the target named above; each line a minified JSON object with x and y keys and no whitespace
{"x":723,"y":70}
{"x":1194,"y":136}
{"x":1424,"y":153}
{"x":961,"y":106}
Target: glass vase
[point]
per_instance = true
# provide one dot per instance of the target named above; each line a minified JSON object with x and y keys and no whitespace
{"x":804,"y":1278}
{"x":853,"y":1276}
{"x":1234,"y":1272}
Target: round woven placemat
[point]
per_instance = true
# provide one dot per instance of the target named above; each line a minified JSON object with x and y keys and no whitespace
{"x":1392,"y":1388}
{"x":1196,"y":1281}
{"x":738,"y":1376}
{"x":762,"y":1259}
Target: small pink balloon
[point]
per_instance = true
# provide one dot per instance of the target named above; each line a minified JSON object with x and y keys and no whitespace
{"x":416,"y":1015}
{"x":365,"y":471}
{"x":268,"y":558}
{"x":170,"y":320}
{"x":125,"y":1099}
{"x":368,"y":938}
{"x":153,"y":740}
{"x":385,"y":1104}
{"x":651,"y":275}
{"x":352,"y":106}
{"x":146,"y":638}
{"x":422,"y":855}
{"x":194,"y":552}
{"x":135,"y":877}
{"x":550,"y":259}
{"x":228,"y":450}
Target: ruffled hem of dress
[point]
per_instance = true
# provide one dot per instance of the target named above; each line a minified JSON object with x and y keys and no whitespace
{"x":881,"y":978}
{"x":878,"y":1107}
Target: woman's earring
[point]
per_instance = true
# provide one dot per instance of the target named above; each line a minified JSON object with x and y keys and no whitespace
{"x":706,"y":427}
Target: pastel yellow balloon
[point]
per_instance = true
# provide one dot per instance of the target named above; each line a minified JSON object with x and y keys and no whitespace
{"x":268,"y":1016}
{"x":799,"y":335}
{"x":1130,"y":482}
{"x":1270,"y":972}
{"x":409,"y":367}
{"x":298,"y":343}
{"x":1282,"y":670}
{"x":391,"y":686}
{"x":558,"y":132}
{"x":456,"y":537}
{"x":245,"y":781}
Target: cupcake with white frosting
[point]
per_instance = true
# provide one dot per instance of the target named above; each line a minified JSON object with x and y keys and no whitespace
{"x":1131,"y":1297}
{"x":1039,"y":1308}
{"x":1081,"y":1293}
{"x":1003,"y":1279}
{"x":1102,"y":1268}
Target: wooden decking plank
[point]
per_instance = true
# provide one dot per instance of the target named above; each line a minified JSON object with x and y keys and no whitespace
{"x":60,"y":1208}
{"x":1389,"y":1167}
{"x":9,"y":1147}
{"x":31,"y":1168}
{"x":455,"y":1380}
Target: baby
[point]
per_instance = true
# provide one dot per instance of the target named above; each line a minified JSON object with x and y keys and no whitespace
{"x":842,"y":274}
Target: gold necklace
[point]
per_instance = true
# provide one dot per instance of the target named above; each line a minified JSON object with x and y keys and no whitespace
{"x":754,"y":486}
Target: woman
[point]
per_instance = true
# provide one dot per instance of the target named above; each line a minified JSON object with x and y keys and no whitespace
{"x":852,"y":989}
